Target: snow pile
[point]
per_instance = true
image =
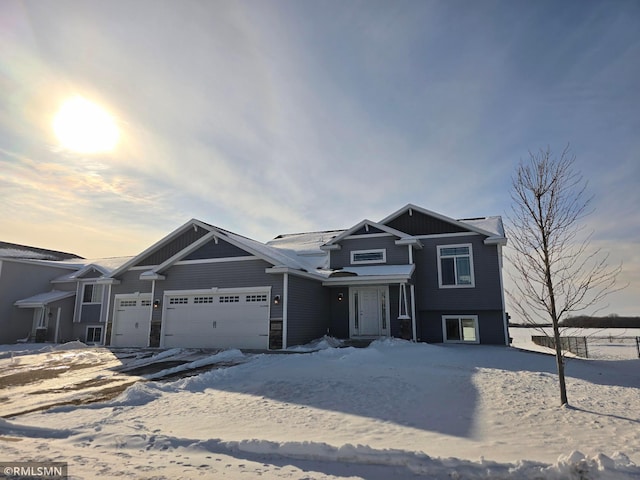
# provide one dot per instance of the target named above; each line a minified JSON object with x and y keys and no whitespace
{"x":319,"y":344}
{"x":393,"y":410}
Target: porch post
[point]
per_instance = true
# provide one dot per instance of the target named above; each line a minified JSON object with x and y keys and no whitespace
{"x":412,"y":288}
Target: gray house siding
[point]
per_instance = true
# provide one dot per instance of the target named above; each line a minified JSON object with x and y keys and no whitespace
{"x":65,"y":329}
{"x":18,"y":280}
{"x":339,"y":310}
{"x":396,"y":254}
{"x":212,"y":249}
{"x":308,"y":310}
{"x":485,"y":295}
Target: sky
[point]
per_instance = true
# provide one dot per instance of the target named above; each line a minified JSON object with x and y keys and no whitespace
{"x":267,"y":117}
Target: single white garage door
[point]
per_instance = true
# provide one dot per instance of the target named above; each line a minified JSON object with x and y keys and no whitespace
{"x":131,"y":321}
{"x":217,"y":320}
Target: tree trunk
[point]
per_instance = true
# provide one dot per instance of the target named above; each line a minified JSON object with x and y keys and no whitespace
{"x":560,"y":364}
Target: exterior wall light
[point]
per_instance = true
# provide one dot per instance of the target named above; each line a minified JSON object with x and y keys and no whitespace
{"x":276,"y":300}
{"x":340,"y":296}
{"x":156,"y":304}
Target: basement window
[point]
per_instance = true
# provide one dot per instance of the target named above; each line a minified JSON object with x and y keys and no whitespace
{"x":460,"y":329}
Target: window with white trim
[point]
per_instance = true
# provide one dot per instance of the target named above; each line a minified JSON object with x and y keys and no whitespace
{"x":378,"y":255}
{"x":128,"y":303}
{"x":92,"y":293}
{"x":94,"y":335}
{"x":455,"y":266}
{"x":460,"y":328}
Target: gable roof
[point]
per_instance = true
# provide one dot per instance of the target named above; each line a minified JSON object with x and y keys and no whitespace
{"x":491,"y":227}
{"x":14,"y":250}
{"x":103,"y":265}
{"x":362,"y":224}
{"x":43,"y":299}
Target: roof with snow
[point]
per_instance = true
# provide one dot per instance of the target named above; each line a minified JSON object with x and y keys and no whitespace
{"x":13,"y":250}
{"x":43,"y":299}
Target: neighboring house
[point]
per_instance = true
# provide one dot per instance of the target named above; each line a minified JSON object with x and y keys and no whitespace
{"x":415,"y":274}
{"x":49,"y":296}
{"x":26,"y":273}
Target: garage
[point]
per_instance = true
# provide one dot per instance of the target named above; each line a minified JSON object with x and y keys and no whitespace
{"x":131,"y":321}
{"x":224,"y":318}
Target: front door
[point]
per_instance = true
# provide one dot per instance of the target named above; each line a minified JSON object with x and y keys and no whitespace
{"x":369,"y":311}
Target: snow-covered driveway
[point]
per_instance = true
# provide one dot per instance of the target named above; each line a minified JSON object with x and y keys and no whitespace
{"x":392,"y":410}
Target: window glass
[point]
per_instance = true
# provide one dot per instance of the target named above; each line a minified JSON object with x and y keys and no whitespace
{"x":448,"y":271}
{"x":460,"y":329}
{"x":453,"y":329}
{"x":455,"y":266}
{"x":92,"y":293}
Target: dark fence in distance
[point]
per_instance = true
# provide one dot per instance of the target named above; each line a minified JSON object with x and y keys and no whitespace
{"x":579,"y":345}
{"x":576,"y":345}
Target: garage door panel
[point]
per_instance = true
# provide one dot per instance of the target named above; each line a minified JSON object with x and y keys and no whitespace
{"x":217,"y":321}
{"x":131,"y":323}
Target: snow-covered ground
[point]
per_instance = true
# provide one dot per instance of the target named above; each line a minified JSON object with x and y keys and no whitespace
{"x":393,"y":410}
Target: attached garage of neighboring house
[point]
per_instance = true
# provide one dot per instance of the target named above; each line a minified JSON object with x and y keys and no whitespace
{"x":219,"y":318}
{"x":131,"y":321}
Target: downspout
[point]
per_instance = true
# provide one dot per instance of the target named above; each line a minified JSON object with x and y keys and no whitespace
{"x":285,"y":303}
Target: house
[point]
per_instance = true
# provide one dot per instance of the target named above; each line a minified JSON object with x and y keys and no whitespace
{"x":27,"y":272}
{"x":50,"y":296}
{"x":415,"y":274}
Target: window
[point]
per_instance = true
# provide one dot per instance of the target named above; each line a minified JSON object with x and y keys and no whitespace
{"x":128,"y":303}
{"x":94,"y":335}
{"x":369,"y":256}
{"x":256,"y":298}
{"x":203,"y":300}
{"x":230,"y":299}
{"x":92,"y":293}
{"x":460,"y":329}
{"x":455,"y":266}
{"x":178,"y":301}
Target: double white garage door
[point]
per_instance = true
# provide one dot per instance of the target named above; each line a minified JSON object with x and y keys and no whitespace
{"x":233,"y":318}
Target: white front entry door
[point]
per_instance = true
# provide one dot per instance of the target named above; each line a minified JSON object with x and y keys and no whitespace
{"x":369,"y":311}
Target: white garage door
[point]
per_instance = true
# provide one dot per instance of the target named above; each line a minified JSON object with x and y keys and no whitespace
{"x":233,"y":319}
{"x":131,"y":321}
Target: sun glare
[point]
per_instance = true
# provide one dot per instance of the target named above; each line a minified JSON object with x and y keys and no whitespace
{"x":84,"y":127}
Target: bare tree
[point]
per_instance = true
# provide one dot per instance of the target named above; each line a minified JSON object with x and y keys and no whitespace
{"x":556,"y":271}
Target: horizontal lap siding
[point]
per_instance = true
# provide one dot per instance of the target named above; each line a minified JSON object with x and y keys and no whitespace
{"x":250,"y":273}
{"x":486,"y":295}
{"x":396,"y":255}
{"x":308,"y":311}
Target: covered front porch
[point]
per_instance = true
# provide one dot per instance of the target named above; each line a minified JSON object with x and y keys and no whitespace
{"x":372,"y":302}
{"x":50,"y":321}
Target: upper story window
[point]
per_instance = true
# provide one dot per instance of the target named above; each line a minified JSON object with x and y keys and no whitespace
{"x":455,"y":266}
{"x":92,"y":293}
{"x":368,"y":256}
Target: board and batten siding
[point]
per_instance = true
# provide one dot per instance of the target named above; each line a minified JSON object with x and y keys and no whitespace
{"x":308,"y":312}
{"x":396,"y":254}
{"x":219,"y":249}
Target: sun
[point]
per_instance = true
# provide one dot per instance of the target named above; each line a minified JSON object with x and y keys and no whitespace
{"x":84,"y":127}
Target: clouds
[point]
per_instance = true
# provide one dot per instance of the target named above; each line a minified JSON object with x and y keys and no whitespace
{"x":268,"y":117}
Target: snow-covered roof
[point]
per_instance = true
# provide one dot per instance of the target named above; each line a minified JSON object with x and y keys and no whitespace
{"x":368,"y":273}
{"x":491,"y":225}
{"x":43,"y":299}
{"x":13,"y":250}
{"x":307,"y":243}
{"x":104,"y":265}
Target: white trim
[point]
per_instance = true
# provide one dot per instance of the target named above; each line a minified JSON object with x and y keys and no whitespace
{"x":504,"y":308}
{"x":471,"y":269}
{"x":381,"y":289}
{"x":143,"y":267}
{"x":353,"y":253}
{"x":293,"y":271}
{"x":285,"y":309}
{"x":412,"y":289}
{"x":56,"y":338}
{"x":459,"y":318}
{"x":102,"y":333}
{"x":217,"y":260}
{"x":410,"y":254}
{"x":355,"y":228}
